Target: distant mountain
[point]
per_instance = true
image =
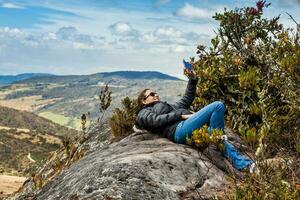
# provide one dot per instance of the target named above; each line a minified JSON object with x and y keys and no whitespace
{"x":139,"y":75}
{"x":8,"y":79}
{"x":103,"y":76}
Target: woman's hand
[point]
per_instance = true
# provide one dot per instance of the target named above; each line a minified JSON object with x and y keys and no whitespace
{"x":189,"y":73}
{"x":185,"y":116}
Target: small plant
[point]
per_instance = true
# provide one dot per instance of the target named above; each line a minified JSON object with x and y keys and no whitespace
{"x":216,"y":138}
{"x":66,"y":145}
{"x":57,"y":164}
{"x":123,"y":119}
{"x":105,"y":102}
{"x":201,"y":139}
{"x":83,"y":122}
{"x":86,"y":122}
{"x":105,"y":98}
{"x":37,"y":180}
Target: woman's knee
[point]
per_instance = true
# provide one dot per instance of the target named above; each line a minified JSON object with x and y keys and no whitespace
{"x":219,"y":105}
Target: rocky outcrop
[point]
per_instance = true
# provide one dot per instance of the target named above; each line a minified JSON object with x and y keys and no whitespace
{"x":141,"y":166}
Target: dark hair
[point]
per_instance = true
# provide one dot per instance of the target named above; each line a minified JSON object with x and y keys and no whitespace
{"x":141,"y":98}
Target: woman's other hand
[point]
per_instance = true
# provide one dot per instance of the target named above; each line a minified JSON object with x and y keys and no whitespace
{"x":185,"y":116}
{"x":189,"y":73}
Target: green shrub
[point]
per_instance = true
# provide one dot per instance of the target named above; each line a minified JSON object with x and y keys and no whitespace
{"x":123,"y":119}
{"x":253,"y":66}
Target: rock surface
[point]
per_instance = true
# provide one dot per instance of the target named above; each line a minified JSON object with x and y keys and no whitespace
{"x":141,"y":166}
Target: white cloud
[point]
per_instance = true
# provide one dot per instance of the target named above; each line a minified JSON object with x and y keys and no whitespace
{"x":166,"y":32}
{"x":66,"y":51}
{"x":123,"y":29}
{"x":13,"y":32}
{"x":65,"y":37}
{"x":11,"y":6}
{"x":125,"y":36}
{"x":193,"y":12}
{"x":162,"y":38}
{"x":180,"y":49}
{"x":71,"y":34}
{"x":23,"y":51}
{"x":169,"y":35}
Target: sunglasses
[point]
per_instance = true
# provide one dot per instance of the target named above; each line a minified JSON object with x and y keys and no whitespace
{"x":150,"y":94}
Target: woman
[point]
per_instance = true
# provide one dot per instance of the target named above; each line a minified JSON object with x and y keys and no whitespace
{"x":176,"y":122}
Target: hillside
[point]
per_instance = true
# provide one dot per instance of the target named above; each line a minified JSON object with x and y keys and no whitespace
{"x":26,"y":139}
{"x":25,"y":120}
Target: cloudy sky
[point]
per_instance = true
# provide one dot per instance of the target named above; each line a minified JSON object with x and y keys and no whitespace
{"x":89,"y":36}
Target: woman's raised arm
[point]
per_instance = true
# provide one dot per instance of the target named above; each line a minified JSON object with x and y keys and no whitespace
{"x":189,"y":96}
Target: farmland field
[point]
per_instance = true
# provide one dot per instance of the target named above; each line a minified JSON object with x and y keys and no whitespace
{"x":61,"y":119}
{"x":57,"y":118}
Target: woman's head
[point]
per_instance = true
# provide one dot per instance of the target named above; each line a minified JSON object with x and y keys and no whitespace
{"x":147,"y":96}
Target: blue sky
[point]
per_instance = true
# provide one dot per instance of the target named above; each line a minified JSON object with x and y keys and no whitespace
{"x":89,"y":36}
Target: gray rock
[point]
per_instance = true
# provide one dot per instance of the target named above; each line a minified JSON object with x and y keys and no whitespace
{"x":141,"y":166}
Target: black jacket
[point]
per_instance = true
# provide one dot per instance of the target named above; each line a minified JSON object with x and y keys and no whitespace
{"x":161,"y":117}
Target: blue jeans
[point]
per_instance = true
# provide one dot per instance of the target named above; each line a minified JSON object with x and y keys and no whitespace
{"x":213,"y":116}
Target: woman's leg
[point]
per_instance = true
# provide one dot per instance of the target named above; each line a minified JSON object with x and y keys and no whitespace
{"x":213,"y":116}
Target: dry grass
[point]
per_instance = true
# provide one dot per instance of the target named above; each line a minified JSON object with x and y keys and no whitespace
{"x":51,"y":139}
{"x":10,"y":184}
{"x":24,"y":130}
{"x":22,"y":136}
{"x":30,"y":104}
